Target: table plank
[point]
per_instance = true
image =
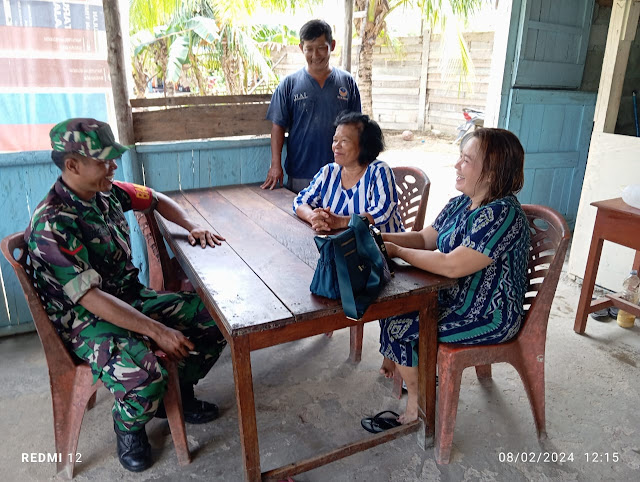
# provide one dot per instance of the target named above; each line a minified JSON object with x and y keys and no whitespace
{"x":284,"y":274}
{"x":283,"y":226}
{"x":282,"y":198}
{"x":232,"y":292}
{"x":297,"y":236}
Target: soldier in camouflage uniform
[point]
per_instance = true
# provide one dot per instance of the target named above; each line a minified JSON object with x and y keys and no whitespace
{"x":79,"y":245}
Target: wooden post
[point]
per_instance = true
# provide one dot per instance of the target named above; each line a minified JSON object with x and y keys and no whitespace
{"x":117,"y":68}
{"x":622,"y":31}
{"x":424,"y":71}
{"x":348,"y":35}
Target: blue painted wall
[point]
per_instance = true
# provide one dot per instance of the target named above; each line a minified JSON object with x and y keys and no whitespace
{"x":26,"y":177}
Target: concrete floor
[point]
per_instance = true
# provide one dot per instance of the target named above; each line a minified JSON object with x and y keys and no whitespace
{"x":309,"y":399}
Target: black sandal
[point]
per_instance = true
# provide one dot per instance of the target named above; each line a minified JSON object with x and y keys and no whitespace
{"x":600,"y":315}
{"x":378,"y":423}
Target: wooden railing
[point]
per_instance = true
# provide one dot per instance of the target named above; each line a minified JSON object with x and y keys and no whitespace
{"x":185,"y":118}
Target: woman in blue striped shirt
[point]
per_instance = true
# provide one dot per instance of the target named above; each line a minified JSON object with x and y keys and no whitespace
{"x":356,"y":183}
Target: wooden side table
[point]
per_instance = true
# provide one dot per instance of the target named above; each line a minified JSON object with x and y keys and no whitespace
{"x":619,"y":223}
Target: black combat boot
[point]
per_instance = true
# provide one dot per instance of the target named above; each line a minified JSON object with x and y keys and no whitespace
{"x":195,"y":411}
{"x":134,"y":450}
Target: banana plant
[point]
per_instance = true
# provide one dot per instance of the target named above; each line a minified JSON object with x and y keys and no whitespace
{"x":201,"y":37}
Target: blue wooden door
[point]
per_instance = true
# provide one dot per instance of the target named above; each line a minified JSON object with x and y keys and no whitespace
{"x":552,"y":119}
{"x":555,"y":129}
{"x":552,"y":43}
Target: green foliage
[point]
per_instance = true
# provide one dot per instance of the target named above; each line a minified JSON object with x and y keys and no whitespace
{"x":206,"y":32}
{"x":277,"y":34}
{"x":178,"y":55}
{"x":203,"y":27}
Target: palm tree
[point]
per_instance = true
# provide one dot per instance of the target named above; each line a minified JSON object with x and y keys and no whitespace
{"x":434,"y":11}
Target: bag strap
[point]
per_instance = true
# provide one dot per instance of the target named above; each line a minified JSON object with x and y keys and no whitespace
{"x":367,"y":249}
{"x":377,"y":237}
{"x":344,"y":284}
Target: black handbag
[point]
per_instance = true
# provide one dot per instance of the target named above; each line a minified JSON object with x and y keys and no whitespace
{"x":353,"y":266}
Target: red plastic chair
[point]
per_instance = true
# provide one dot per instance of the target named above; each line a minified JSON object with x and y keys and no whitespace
{"x":413,"y":187}
{"x":71,"y":380}
{"x":549,"y":240}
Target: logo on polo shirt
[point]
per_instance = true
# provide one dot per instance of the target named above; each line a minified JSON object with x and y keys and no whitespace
{"x":301,"y":96}
{"x":343,"y":94}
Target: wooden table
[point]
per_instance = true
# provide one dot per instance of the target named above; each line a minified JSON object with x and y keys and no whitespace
{"x":256,"y":287}
{"x":619,"y":223}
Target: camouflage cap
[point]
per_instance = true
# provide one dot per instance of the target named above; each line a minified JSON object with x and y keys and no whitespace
{"x":88,"y":137}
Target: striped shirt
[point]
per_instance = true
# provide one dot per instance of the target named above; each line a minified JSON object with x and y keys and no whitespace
{"x":375,"y":193}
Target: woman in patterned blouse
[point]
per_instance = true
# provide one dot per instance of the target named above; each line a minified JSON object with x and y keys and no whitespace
{"x":481,"y":238}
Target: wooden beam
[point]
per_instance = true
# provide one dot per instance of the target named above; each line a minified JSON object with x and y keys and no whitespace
{"x":339,"y":453}
{"x":200,"y":100}
{"x":201,"y":122}
{"x":424,"y":73}
{"x":348,"y":35}
{"x":622,"y":28}
{"x":117,"y":68}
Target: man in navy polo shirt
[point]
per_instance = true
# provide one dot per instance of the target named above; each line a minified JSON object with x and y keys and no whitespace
{"x":306,"y":103}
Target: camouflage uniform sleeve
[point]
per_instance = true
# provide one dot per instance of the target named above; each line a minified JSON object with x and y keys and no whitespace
{"x":55,"y":245}
{"x":135,"y":196}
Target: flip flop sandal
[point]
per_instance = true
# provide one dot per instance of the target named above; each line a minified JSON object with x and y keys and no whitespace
{"x":600,"y":315}
{"x":613,"y":312}
{"x":378,"y":423}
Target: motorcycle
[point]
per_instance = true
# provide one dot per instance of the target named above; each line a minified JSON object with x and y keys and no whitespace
{"x":473,"y":119}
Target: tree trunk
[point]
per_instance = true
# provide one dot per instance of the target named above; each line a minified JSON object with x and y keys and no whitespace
{"x":232,"y":69}
{"x":139,"y":77}
{"x":202,"y":83}
{"x":365,"y":69}
{"x":369,"y":32}
{"x":348,"y":35}
{"x":159,"y":53}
